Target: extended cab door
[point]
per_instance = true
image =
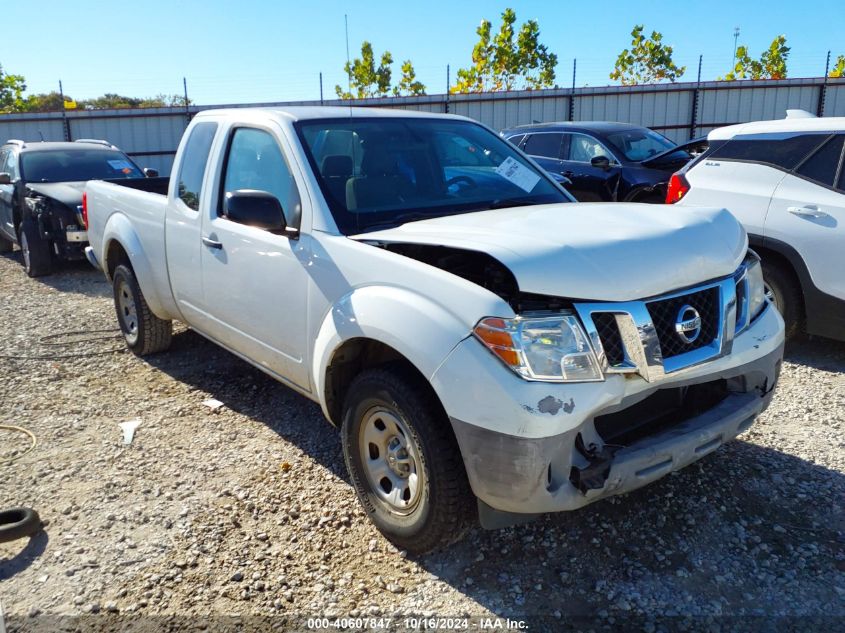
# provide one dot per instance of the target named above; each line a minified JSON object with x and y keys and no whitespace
{"x":807,"y":212}
{"x":255,"y":281}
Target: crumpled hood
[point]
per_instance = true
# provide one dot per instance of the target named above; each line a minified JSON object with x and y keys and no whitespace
{"x":592,"y":251}
{"x":68,"y":193}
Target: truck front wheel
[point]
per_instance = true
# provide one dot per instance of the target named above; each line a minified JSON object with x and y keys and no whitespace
{"x":143,"y":331}
{"x":403,"y":460}
{"x":37,"y":260}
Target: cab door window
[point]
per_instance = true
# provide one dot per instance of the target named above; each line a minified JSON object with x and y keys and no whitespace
{"x":255,"y":161}
{"x":583,"y":149}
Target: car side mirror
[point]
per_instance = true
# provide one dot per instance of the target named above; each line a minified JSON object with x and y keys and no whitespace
{"x":5,"y":179}
{"x":253,"y":207}
{"x":149,"y":172}
{"x":602,"y":162}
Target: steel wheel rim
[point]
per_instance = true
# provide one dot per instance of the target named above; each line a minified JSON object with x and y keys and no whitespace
{"x":127,"y":311}
{"x":27,"y":262}
{"x":391,"y":460}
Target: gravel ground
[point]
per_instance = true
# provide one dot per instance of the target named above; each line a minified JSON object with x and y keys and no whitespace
{"x":247,"y":510}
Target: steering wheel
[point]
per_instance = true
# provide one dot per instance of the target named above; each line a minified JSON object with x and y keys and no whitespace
{"x":462,"y":179}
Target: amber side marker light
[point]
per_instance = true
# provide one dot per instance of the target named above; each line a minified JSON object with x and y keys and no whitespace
{"x":493,"y":333}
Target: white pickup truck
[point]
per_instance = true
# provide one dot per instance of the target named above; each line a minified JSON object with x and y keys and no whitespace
{"x":474,"y":332}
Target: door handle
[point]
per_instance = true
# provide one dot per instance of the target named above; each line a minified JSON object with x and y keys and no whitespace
{"x":212,"y":243}
{"x":808,"y":211}
{"x":568,"y":173}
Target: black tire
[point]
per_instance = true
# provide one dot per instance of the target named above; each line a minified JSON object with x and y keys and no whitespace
{"x":444,"y":508}
{"x":6,"y":245}
{"x":37,"y":259}
{"x":18,"y":523}
{"x":143,"y":331}
{"x":785,"y":292}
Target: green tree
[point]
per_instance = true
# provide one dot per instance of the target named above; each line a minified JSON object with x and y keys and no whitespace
{"x":500,"y":63}
{"x":771,"y":65}
{"x":408,"y":85}
{"x":648,"y":60}
{"x":365,"y":79}
{"x":11,"y":92}
{"x":838,"y":69}
{"x":45,"y":102}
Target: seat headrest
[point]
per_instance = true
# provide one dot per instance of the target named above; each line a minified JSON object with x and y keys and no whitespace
{"x":336,"y":165}
{"x":378,"y":161}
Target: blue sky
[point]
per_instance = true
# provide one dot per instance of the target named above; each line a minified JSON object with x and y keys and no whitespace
{"x":252,"y":51}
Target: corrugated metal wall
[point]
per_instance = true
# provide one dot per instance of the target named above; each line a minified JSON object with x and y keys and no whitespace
{"x":152,"y":135}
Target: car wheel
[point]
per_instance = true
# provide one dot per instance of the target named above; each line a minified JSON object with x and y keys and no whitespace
{"x":783,"y":291}
{"x":143,"y":331}
{"x":403,"y":460}
{"x":6,"y":245}
{"x":37,"y":260}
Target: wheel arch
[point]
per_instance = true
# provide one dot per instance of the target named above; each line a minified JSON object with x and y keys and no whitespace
{"x":377,"y":325}
{"x":121,"y":244}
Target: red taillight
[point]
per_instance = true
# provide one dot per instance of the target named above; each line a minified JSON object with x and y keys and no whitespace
{"x":678,"y":187}
{"x":85,"y":210}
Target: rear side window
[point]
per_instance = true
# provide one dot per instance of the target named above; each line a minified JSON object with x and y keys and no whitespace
{"x":546,"y":145}
{"x":823,"y":165}
{"x":194,"y":161}
{"x":775,"y":150}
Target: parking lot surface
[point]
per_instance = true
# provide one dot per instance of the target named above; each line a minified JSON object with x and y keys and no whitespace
{"x":247,"y":509}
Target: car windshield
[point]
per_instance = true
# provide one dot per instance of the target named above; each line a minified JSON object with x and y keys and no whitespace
{"x":639,"y":145}
{"x":382,"y":172}
{"x":71,"y":165}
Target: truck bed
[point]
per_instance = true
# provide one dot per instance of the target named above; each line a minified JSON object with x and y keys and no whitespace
{"x":150,"y":185}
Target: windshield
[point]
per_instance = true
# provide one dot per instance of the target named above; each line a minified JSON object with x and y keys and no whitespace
{"x":639,"y":145}
{"x":77,"y":164}
{"x":381,"y":172}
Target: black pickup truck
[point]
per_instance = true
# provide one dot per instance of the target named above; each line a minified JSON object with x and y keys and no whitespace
{"x":41,"y":187}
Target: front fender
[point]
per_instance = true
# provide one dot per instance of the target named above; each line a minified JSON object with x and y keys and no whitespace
{"x":423,"y":331}
{"x":119,"y":229}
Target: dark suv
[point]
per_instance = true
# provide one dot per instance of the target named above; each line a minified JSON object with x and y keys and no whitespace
{"x":41,"y":188}
{"x":605,"y":161}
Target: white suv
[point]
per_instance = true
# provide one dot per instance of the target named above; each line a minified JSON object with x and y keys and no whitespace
{"x":785,"y":181}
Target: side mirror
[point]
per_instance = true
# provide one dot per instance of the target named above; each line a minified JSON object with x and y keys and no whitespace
{"x":149,"y":172}
{"x":5,"y":179}
{"x":602,"y":162}
{"x":256,"y":208}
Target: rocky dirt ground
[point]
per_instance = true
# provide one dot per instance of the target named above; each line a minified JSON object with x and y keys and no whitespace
{"x":248,"y":510}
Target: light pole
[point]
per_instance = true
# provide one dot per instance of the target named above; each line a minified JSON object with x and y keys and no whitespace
{"x":736,"y":37}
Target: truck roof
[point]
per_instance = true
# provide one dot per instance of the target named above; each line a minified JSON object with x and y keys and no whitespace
{"x":303,"y":113}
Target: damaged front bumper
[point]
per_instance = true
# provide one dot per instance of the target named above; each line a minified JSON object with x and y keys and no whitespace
{"x":532,"y":448}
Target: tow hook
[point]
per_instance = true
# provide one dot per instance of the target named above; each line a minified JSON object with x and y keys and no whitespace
{"x":595,"y":474}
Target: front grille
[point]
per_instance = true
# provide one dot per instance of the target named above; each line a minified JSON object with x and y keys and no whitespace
{"x":664,"y":315}
{"x":611,"y":338}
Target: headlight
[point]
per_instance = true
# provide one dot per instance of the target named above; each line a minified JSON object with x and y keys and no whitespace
{"x":553,"y":348}
{"x":755,"y":288}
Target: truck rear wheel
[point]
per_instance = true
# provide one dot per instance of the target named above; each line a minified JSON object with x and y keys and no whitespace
{"x":143,"y":331}
{"x":403,"y":460}
{"x":37,"y":260}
